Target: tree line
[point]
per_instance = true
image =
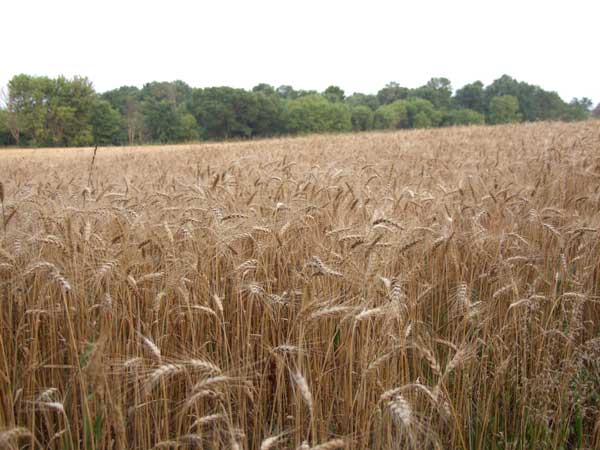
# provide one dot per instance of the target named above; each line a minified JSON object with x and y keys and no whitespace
{"x":42,"y":111}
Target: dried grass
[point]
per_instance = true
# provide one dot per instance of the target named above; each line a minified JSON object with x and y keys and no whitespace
{"x":422,"y":289}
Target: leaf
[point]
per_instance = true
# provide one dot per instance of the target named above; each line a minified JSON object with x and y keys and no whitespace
{"x":98,"y":425}
{"x":93,"y":432}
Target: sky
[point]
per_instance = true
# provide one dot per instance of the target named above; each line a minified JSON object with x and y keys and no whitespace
{"x":357,"y":45}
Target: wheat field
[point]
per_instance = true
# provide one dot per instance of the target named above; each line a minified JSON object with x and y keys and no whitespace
{"x":427,"y":289}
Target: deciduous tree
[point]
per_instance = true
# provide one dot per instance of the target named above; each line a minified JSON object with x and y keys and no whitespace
{"x":334,"y":94}
{"x":315,"y":114}
{"x":108,"y":124}
{"x":391,"y":116}
{"x":463,"y":116}
{"x":362,"y":118}
{"x":392,"y":92}
{"x":471,"y":96}
{"x":504,"y":109}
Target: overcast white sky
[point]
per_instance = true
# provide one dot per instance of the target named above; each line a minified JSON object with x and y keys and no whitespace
{"x":358,"y":45}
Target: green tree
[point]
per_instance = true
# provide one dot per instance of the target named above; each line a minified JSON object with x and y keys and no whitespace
{"x":304,"y":93}
{"x":578,"y":109}
{"x":165,"y":112}
{"x":504,"y":109}
{"x":224,"y":112}
{"x":43,"y":111}
{"x":505,"y":85}
{"x":422,"y":114}
{"x":27,"y":97}
{"x":362,"y":118}
{"x":583,"y":103}
{"x":534,"y":102}
{"x":159,"y":120}
{"x":127,"y":100}
{"x":438,"y":91}
{"x":118,"y":97}
{"x":264,"y":88}
{"x":391,"y":116}
{"x":270,"y":117}
{"x":107,"y":124}
{"x":69,"y":114}
{"x":392,"y":92}
{"x":471,"y":96}
{"x":421,"y":120}
{"x":164,"y":122}
{"x":5,"y":134}
{"x":286,"y":92}
{"x":463,"y":116}
{"x":11,"y":121}
{"x":358,"y":99}
{"x":188,"y":127}
{"x":52,"y":111}
{"x":596,"y":112}
{"x":537,"y":104}
{"x":334,"y":94}
{"x":175,"y":93}
{"x":315,"y":114}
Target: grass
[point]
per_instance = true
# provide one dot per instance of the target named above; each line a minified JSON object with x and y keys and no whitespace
{"x":424,"y":289}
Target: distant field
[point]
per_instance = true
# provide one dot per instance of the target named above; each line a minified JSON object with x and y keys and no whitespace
{"x":422,"y":289}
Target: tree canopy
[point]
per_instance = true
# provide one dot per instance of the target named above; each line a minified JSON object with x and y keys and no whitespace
{"x":42,"y":111}
{"x":316,"y":114}
{"x":504,"y":109}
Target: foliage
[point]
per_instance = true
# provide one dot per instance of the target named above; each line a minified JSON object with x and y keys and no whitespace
{"x":504,"y":109}
{"x":223,"y":112}
{"x":188,"y":127}
{"x":52,"y":111}
{"x":164,"y":107}
{"x":315,"y":114}
{"x":438,"y":91}
{"x":362,"y":118}
{"x":40,"y":111}
{"x":358,"y":99}
{"x":391,"y":116}
{"x":175,"y":93}
{"x":5,"y":136}
{"x":471,"y":96}
{"x":108,"y":124}
{"x":264,"y":88}
{"x":127,"y":100}
{"x":334,"y":94}
{"x":534,"y":102}
{"x":463,"y":116}
{"x":411,"y":113}
{"x":119,"y":98}
{"x":286,"y":92}
{"x":165,"y":122}
{"x":579,"y":109}
{"x":270,"y":118}
{"x":391,"y":93}
{"x":422,"y":113}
